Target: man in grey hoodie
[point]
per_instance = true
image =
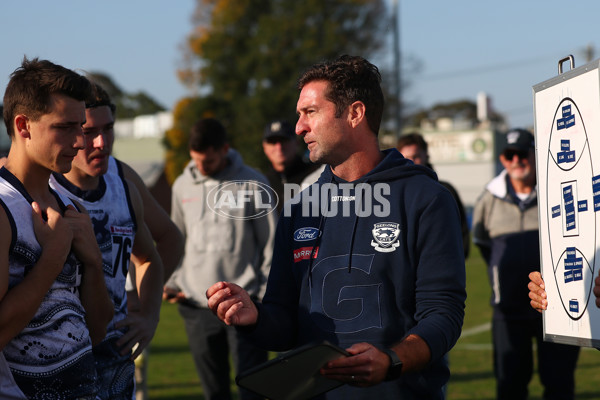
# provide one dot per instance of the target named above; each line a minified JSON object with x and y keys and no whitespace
{"x":225,"y":211}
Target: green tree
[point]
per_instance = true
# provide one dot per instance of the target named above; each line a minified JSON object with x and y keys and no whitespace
{"x":129,"y":105}
{"x":248,"y":54}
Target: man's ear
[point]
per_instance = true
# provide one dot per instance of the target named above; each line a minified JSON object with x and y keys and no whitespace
{"x":356,"y":113}
{"x":22,"y":126}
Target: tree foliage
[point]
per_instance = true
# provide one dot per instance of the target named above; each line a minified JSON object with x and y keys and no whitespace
{"x":129,"y":105}
{"x":248,"y":54}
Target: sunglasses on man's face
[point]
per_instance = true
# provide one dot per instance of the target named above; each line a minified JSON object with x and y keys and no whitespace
{"x":511,"y":153}
{"x":278,"y":139}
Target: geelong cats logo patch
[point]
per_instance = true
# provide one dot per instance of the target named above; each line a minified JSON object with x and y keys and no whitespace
{"x":386,"y":236}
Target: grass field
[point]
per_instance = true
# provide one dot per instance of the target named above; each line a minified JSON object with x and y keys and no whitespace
{"x":172,"y":376}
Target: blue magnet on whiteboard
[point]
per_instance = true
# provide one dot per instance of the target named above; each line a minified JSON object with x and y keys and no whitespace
{"x":574,"y":306}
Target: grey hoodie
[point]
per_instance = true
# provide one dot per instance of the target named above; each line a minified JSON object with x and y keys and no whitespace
{"x":505,"y":229}
{"x":221,"y":246}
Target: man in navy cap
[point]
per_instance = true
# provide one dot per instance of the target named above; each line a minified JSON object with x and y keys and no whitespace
{"x":505,"y":228}
{"x":287,"y":165}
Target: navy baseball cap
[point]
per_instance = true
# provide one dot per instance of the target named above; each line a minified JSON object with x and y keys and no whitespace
{"x":279,"y":129}
{"x":520,"y":140}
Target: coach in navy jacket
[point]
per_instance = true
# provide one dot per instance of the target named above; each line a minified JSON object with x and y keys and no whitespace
{"x":369,"y":257}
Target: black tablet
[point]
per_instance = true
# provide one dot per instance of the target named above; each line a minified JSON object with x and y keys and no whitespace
{"x":293,"y":375}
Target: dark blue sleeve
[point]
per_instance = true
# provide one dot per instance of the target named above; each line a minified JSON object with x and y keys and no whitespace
{"x":440,"y":276}
{"x":277,"y":326}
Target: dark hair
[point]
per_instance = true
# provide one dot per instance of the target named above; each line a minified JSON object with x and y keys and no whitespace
{"x":206,"y":133}
{"x":410,"y":139}
{"x":99,"y":97}
{"x":31,"y":86}
{"x":350,"y":78}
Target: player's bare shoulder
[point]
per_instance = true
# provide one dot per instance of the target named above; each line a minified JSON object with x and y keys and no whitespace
{"x":136,"y":198}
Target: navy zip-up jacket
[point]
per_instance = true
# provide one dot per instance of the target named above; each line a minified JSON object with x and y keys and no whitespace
{"x":372,"y":261}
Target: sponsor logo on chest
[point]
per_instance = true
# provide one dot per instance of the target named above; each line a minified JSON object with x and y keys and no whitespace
{"x":305,"y":234}
{"x":121,"y":230}
{"x":303,"y":253}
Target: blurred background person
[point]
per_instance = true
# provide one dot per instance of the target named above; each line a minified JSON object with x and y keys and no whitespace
{"x":218,"y":246}
{"x":287,"y":165}
{"x":414,"y":147}
{"x":505,"y":228}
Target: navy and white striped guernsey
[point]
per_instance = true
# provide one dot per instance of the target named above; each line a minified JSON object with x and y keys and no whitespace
{"x":52,"y":356}
{"x":114,"y":222}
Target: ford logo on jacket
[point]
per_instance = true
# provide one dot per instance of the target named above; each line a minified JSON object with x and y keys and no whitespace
{"x":305,"y":234}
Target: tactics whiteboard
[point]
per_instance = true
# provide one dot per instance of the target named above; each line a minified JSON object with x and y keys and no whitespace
{"x":567,"y":136}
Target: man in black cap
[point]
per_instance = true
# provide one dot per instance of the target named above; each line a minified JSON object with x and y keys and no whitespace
{"x":287,"y":166}
{"x":505,"y":228}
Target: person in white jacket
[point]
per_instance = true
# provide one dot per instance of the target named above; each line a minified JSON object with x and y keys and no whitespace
{"x":225,"y":211}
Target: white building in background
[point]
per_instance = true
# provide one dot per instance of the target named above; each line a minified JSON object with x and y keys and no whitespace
{"x":465,"y":152}
{"x":468,"y":159}
{"x":138,"y":142}
{"x":143,"y":126}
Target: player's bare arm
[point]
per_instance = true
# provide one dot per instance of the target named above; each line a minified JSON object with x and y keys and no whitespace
{"x":168,"y":238}
{"x":99,"y":309}
{"x":149,"y":276}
